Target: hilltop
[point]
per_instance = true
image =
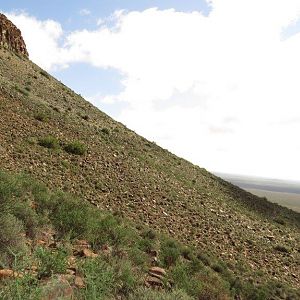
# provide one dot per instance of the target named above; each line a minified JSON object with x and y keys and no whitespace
{"x":55,"y":136}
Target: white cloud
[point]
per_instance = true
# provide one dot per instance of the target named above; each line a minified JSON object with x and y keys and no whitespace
{"x":42,"y":40}
{"x":221,"y":90}
{"x":84,"y":12}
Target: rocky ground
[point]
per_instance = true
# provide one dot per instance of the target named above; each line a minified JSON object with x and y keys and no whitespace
{"x":122,"y":172}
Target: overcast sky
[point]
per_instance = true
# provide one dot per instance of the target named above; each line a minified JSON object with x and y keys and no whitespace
{"x":217,"y":82}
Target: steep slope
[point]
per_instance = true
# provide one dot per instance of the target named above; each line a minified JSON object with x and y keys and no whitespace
{"x":122,"y":172}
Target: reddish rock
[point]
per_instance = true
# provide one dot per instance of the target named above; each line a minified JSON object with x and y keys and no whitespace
{"x":78,"y":281}
{"x":158,"y":271}
{"x":58,"y":288}
{"x":86,"y":253}
{"x":7,"y":273}
{"x":11,"y":37}
{"x":153,"y":281}
{"x":81,"y":244}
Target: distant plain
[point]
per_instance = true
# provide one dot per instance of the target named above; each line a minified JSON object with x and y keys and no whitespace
{"x":283,"y":192}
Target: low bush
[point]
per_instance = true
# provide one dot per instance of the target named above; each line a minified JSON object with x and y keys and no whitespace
{"x":76,"y":148}
{"x":49,"y":142}
{"x":282,"y":248}
{"x":45,"y":74}
{"x":124,"y":253}
{"x":22,"y":91}
{"x":41,"y":116}
{"x":170,"y":252}
{"x":150,"y":294}
{"x":100,"y":279}
{"x":105,"y":130}
{"x":12,"y":241}
{"x":51,"y":262}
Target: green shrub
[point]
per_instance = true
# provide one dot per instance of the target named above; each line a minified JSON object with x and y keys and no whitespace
{"x":22,"y":91}
{"x":51,"y":262}
{"x":76,"y":148}
{"x":28,"y":216}
{"x":68,"y":215}
{"x":22,"y":288}
{"x":45,"y":74}
{"x":150,"y":294}
{"x":49,"y":142}
{"x":11,"y":238}
{"x":150,"y":234}
{"x":146,"y":245}
{"x":100,"y":278}
{"x":282,"y":248}
{"x":105,"y":130}
{"x":108,"y":230}
{"x":41,"y":116}
{"x":128,"y":280}
{"x":170,"y":252}
{"x":183,"y":280}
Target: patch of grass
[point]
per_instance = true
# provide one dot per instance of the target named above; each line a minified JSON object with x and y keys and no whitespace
{"x":105,"y":130}
{"x":49,"y":142}
{"x":76,"y":148}
{"x":51,"y":262}
{"x":282,"y":248}
{"x":45,"y":74}
{"x":12,"y":240}
{"x":280,"y":221}
{"x":150,"y":294}
{"x":184,"y":281}
{"x":85,"y":117}
{"x":68,"y":215}
{"x":22,"y":91}
{"x":100,"y":279}
{"x":128,"y":279}
{"x":170,"y":252}
{"x":117,"y":273}
{"x":26,"y":287}
{"x":41,"y":116}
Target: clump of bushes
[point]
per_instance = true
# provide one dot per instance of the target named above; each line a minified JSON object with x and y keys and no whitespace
{"x":170,"y":252}
{"x":11,"y":238}
{"x":45,"y":74}
{"x":105,"y":131}
{"x":76,"y":148}
{"x":49,"y":142}
{"x":22,"y":91}
{"x":51,"y":262}
{"x":282,"y":248}
{"x":41,"y":116}
{"x":120,"y":271}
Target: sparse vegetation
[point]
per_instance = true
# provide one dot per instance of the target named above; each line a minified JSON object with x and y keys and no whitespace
{"x":50,"y":142}
{"x":41,"y":116}
{"x":282,"y":248}
{"x":22,"y":91}
{"x":45,"y":74}
{"x":105,"y":131}
{"x":76,"y":148}
{"x":109,"y":274}
{"x":234,"y":232}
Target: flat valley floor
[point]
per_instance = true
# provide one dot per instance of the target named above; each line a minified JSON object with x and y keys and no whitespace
{"x":282,"y":192}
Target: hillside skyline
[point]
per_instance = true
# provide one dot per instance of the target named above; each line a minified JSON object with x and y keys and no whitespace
{"x":92,"y":209}
{"x":200,"y":79}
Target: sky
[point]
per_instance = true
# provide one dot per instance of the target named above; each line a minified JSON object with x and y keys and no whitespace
{"x":213,"y":81}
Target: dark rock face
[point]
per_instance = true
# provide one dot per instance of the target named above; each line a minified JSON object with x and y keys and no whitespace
{"x":11,"y":37}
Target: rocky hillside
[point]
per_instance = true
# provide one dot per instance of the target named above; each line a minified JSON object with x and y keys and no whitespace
{"x":11,"y":37}
{"x":53,"y":134}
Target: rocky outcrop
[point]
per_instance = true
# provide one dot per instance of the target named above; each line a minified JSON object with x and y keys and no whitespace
{"x":11,"y":37}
